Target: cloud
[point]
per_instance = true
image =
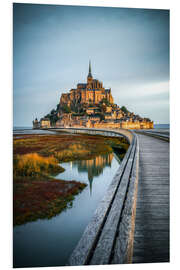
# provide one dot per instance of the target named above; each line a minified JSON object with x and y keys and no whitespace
{"x":141,"y":90}
{"x":128,"y":48}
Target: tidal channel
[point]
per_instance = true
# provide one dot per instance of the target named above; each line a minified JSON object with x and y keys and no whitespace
{"x":50,"y":242}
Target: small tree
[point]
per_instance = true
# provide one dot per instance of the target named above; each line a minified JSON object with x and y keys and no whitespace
{"x":53,"y":111}
{"x":53,"y":119}
{"x":102,"y":117}
{"x":105,"y":101}
{"x":47,"y":116}
{"x":66,"y":109}
{"x":124,"y":109}
{"x":57,"y":107}
{"x":103,"y":108}
{"x":81,"y":110}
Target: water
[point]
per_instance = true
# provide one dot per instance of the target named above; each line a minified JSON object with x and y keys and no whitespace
{"x":50,"y":242}
{"x":29,"y":130}
{"x":21,"y":127}
{"x":162,"y":126}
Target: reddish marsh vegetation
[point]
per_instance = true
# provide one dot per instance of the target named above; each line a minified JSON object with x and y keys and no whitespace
{"x":42,"y":199}
{"x":36,"y":157}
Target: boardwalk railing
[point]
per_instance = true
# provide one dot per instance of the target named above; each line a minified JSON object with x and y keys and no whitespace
{"x":97,"y":131}
{"x":108,"y":238}
{"x":159,"y":135}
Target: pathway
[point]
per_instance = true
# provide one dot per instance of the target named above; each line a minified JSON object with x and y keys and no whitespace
{"x":151,"y":238}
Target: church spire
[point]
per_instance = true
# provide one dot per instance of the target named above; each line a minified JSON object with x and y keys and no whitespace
{"x":89,"y":74}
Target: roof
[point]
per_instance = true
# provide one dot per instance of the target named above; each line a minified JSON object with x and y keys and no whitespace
{"x":45,"y":119}
{"x":92,"y":108}
{"x":89,"y":74}
{"x":82,"y":85}
{"x":108,"y":121}
{"x":94,"y":116}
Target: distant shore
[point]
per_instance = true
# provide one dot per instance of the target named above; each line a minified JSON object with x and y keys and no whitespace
{"x":17,"y":128}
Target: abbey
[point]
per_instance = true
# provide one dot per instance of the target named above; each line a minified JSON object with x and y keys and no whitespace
{"x":91,"y":92}
{"x":91,"y":105}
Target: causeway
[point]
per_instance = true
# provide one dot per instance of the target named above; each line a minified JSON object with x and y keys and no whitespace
{"x":151,"y":236}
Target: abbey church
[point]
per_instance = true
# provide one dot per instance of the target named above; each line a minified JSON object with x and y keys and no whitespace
{"x":91,"y":92}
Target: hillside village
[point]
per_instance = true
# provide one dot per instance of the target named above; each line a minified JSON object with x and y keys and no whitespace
{"x":91,"y":105}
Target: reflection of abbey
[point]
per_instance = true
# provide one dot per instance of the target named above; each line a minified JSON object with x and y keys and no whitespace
{"x":91,"y":105}
{"x":94,"y":167}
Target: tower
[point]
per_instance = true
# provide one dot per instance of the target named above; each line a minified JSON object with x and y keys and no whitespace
{"x":89,"y":77}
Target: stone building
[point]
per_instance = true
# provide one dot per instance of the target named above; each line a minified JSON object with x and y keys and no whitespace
{"x":91,"y":92}
{"x":36,"y":124}
{"x":91,"y":105}
{"x":45,"y":123}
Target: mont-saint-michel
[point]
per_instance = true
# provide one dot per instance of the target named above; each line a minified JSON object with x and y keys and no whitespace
{"x":91,"y":173}
{"x":91,"y":105}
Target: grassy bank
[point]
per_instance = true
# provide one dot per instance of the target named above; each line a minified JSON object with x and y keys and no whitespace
{"x":66,"y":147}
{"x":42,"y":199}
{"x":36,"y":157}
{"x":33,"y":165}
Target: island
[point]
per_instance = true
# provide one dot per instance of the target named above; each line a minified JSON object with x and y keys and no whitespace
{"x":91,"y":105}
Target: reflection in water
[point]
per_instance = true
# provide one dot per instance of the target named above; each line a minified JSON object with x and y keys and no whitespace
{"x":50,"y":242}
{"x":94,"y":167}
{"x":89,"y":169}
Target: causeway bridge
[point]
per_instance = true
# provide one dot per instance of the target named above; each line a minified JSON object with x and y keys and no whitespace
{"x":131,"y":223}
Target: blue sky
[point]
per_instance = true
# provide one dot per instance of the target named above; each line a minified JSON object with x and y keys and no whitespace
{"x":52,"y":45}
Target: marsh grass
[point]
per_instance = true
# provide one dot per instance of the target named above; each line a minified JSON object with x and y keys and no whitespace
{"x":33,"y":165}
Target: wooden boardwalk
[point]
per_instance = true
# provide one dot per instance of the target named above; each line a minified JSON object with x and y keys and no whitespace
{"x":151,"y":237}
{"x":131,"y":224}
{"x":160,"y":134}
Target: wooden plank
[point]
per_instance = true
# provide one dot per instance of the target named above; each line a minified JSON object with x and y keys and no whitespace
{"x":149,"y":243}
{"x":151,"y":234}
{"x":151,"y":238}
{"x":151,"y":259}
{"x":158,"y":226}
{"x":155,"y":191}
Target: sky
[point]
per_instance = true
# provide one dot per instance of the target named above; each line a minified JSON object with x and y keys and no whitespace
{"x":52,"y":46}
